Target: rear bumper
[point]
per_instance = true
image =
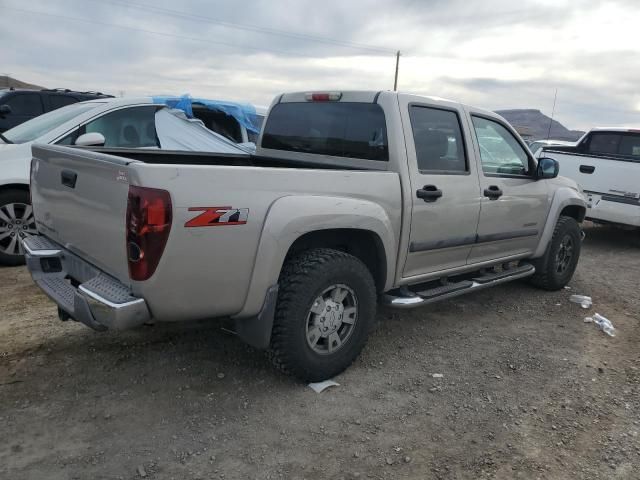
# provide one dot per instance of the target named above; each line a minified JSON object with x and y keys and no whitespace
{"x":80,"y":290}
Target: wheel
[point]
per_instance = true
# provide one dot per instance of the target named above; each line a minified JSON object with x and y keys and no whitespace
{"x":325,"y":310}
{"x":555,"y":268}
{"x":16,"y":222}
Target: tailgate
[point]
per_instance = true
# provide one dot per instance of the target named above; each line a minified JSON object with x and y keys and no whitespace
{"x":80,"y":201}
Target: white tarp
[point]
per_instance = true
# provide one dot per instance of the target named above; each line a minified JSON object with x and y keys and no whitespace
{"x":177,"y":132}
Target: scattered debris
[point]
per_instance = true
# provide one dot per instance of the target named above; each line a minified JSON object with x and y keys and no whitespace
{"x":437,"y":375}
{"x":221,"y":375}
{"x":588,"y":319}
{"x":320,"y":387}
{"x":583,"y":300}
{"x":141,"y":471}
{"x":604,"y":324}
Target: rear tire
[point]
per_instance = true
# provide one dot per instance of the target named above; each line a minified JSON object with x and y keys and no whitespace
{"x":556,"y":267}
{"x":16,"y":222}
{"x":325,"y":310}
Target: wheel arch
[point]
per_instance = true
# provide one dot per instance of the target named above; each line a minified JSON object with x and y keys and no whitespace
{"x":567,"y":202}
{"x":298,"y":222}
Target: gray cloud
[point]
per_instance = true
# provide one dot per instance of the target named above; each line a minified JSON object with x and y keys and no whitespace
{"x":495,"y":53}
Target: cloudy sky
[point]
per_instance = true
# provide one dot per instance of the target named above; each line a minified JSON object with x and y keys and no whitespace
{"x":491,"y":53}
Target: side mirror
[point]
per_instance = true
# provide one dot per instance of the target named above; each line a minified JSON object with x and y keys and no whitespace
{"x":5,"y":109}
{"x":547,"y":168}
{"x":92,"y":139}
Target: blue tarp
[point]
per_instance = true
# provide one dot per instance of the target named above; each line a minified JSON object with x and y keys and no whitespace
{"x":244,"y":113}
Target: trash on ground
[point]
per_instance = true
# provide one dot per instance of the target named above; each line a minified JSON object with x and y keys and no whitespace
{"x":437,"y":375}
{"x":604,"y":324}
{"x":583,"y":300}
{"x":320,"y":387}
{"x":588,"y":319}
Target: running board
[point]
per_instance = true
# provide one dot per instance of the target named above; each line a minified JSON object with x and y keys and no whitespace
{"x":451,"y":290}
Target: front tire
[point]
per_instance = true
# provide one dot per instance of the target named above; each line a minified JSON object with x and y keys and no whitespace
{"x":325,"y":310}
{"x":556,"y":267}
{"x":16,"y":222}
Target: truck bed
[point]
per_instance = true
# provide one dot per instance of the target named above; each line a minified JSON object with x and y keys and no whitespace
{"x":80,"y":201}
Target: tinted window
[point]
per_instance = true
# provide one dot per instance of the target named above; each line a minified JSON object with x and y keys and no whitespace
{"x":604,"y":143}
{"x":500,"y":152}
{"x":127,"y":128}
{"x":25,"y":104}
{"x":57,"y":101}
{"x":630,"y":146}
{"x":354,"y":130}
{"x":438,"y":139}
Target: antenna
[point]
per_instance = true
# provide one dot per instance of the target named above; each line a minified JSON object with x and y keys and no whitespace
{"x":553,"y":111}
{"x":395,"y":82}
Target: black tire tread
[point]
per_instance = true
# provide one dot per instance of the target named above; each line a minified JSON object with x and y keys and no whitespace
{"x":542,"y":278}
{"x":298,"y":271}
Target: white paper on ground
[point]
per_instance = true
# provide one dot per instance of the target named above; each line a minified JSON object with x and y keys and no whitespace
{"x":320,"y":387}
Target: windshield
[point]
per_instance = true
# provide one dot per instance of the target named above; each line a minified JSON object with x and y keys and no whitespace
{"x":36,"y":127}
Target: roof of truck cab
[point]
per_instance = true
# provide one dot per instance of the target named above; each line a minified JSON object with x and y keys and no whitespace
{"x":370,"y":96}
{"x":615,"y":129}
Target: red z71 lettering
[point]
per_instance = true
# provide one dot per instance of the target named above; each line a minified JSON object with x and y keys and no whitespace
{"x":218,"y":216}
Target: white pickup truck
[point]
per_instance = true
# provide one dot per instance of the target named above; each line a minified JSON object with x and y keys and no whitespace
{"x":606,"y":163}
{"x":349,"y":196}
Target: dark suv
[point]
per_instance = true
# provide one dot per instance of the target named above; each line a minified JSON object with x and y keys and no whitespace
{"x":19,"y":105}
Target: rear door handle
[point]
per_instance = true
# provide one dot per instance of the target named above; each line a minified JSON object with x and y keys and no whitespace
{"x":493,"y":192}
{"x":589,"y":169}
{"x":429,"y":193}
{"x":68,"y":178}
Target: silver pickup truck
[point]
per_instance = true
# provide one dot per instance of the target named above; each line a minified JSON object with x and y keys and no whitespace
{"x":350,"y":197}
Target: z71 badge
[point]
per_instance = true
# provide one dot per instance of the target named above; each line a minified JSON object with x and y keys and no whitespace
{"x":218,"y":216}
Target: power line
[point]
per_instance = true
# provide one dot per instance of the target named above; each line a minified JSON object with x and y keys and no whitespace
{"x":153,"y":32}
{"x":247,"y":27}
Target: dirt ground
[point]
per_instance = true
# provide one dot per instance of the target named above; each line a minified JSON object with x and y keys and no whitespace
{"x":529,"y":391}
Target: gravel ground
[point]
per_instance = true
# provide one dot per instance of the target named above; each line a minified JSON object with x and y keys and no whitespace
{"x":527,"y":391}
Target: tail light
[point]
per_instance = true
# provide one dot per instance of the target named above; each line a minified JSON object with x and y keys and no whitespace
{"x":149,"y":218}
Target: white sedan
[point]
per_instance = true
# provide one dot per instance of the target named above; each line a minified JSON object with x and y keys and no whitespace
{"x":117,"y":122}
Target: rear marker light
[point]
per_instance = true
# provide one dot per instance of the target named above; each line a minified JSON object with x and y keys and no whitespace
{"x":323,"y":97}
{"x":149,"y":217}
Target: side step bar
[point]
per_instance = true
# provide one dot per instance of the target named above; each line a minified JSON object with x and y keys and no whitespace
{"x":410,"y":299}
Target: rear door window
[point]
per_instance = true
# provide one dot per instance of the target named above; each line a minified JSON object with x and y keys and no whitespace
{"x":630,"y":146}
{"x":438,"y":140}
{"x":340,"y":129}
{"x":57,"y":101}
{"x":604,"y":143}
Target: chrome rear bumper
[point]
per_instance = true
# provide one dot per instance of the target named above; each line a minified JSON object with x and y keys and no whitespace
{"x":80,"y":290}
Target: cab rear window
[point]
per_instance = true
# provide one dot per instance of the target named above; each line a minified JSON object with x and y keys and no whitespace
{"x":340,"y":129}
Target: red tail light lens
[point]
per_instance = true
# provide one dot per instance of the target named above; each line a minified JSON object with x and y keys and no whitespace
{"x":149,"y":218}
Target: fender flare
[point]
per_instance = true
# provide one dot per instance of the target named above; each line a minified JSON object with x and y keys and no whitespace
{"x":562,"y":198}
{"x":291,"y":217}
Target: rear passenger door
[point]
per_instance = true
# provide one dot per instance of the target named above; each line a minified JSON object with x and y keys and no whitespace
{"x":514,"y":205}
{"x":444,"y":186}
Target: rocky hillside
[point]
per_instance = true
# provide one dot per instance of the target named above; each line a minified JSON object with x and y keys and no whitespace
{"x":536,"y":124}
{"x":6,"y":82}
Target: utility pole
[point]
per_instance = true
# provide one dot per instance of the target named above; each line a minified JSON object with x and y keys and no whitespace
{"x":553,"y":111}
{"x":395,"y":82}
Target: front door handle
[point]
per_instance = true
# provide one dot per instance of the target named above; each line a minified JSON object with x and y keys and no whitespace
{"x":493,"y":192}
{"x":587,"y":169}
{"x":429,"y":193}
